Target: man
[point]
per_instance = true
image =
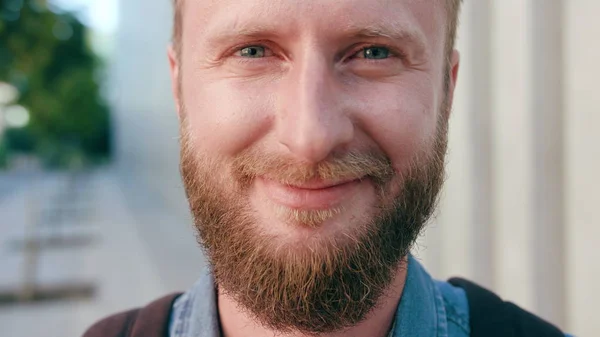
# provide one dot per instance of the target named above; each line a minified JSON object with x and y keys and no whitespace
{"x":313,"y":137}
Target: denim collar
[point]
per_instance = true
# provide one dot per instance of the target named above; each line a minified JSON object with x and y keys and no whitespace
{"x":421,"y":311}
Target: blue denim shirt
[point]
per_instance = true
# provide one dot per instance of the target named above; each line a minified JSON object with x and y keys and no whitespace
{"x":428,"y":308}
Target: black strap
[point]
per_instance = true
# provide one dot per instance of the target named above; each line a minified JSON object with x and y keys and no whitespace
{"x":153,"y":319}
{"x":490,"y":316}
{"x":149,"y":321}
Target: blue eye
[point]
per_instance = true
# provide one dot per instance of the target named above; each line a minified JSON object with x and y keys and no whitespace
{"x":252,"y":52}
{"x":375,"y":53}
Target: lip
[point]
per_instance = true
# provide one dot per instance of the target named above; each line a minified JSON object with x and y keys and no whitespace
{"x":319,"y":184}
{"x":313,"y":195}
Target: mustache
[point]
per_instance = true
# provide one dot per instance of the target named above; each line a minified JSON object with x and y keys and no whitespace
{"x":339,"y":167}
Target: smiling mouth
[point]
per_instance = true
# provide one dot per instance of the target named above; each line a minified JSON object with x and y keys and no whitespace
{"x":312,"y":195}
{"x":317,"y":184}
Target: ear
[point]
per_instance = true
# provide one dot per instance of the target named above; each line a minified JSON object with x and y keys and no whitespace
{"x":454,"y":66}
{"x":174,"y":67}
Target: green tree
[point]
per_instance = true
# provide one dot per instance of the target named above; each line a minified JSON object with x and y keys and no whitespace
{"x":47,"y":57}
{"x":3,"y":156}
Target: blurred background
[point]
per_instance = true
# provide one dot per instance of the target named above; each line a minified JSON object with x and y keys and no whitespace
{"x":93,"y":218}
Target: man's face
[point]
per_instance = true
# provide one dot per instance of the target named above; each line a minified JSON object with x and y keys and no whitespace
{"x":313,"y":137}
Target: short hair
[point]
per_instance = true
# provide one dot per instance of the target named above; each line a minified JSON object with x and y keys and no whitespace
{"x":452,"y":13}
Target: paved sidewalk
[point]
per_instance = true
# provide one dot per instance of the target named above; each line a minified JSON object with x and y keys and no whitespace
{"x":139,"y":250}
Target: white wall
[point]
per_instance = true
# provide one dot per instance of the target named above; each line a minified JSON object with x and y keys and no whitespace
{"x":519,"y":212}
{"x":582,"y":118}
{"x":145,"y":119}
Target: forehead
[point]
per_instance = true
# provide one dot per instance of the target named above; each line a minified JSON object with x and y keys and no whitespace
{"x":205,"y":19}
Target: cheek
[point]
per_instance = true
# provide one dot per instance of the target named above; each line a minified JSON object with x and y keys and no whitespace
{"x":226,"y":116}
{"x":401,"y":119}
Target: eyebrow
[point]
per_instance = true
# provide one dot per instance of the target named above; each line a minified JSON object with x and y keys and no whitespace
{"x":394,"y":32}
{"x":223,"y":34}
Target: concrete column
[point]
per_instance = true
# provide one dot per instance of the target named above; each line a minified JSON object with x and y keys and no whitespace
{"x":548,"y":179}
{"x":512,"y":149}
{"x":481,"y":132}
{"x":456,"y":221}
{"x":147,"y":127}
{"x":582,"y":151}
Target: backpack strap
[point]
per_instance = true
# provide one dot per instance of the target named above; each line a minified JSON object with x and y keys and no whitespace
{"x":490,"y":316}
{"x":150,"y":321}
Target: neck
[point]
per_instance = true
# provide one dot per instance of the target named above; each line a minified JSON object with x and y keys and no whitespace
{"x":236,"y":322}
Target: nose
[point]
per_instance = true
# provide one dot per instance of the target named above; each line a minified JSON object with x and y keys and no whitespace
{"x":314,"y":120}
